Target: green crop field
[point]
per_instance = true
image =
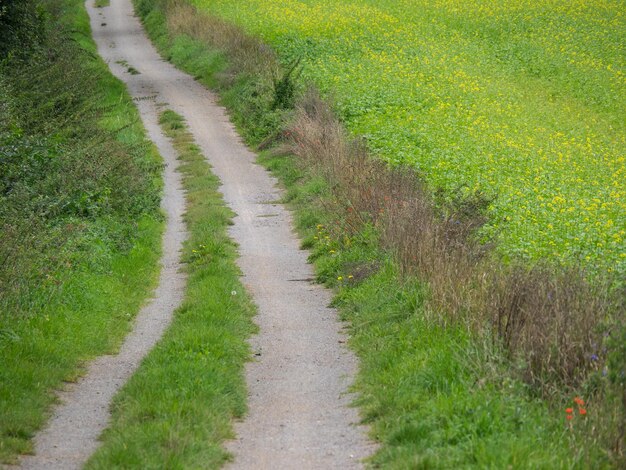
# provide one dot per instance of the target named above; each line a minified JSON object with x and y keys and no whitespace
{"x":521,"y":101}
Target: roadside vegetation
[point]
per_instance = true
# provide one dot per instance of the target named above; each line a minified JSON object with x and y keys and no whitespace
{"x":179,"y":406}
{"x":465,"y":359}
{"x":80,"y":224}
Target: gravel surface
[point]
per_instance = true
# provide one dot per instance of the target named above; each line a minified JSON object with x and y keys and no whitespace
{"x":299,"y":414}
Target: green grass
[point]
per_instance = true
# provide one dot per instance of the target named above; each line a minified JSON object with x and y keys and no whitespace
{"x":179,"y":406}
{"x":89,"y":316}
{"x":520,"y":101}
{"x":105,"y":265}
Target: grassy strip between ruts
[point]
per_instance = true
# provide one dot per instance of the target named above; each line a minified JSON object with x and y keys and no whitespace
{"x":84,"y":307}
{"x":436,"y":397}
{"x":178,"y":407}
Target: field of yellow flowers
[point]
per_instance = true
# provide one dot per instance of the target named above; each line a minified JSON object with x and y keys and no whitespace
{"x":519,"y":100}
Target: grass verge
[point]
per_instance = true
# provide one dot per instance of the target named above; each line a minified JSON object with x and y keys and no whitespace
{"x":80,"y":227}
{"x":490,"y":330}
{"x":88,"y":316}
{"x":178,"y":407}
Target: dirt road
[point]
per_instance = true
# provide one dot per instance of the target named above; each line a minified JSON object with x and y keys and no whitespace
{"x":299,"y":414}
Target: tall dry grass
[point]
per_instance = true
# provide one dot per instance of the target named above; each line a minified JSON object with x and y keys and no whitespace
{"x":247,"y":55}
{"x":548,"y":318}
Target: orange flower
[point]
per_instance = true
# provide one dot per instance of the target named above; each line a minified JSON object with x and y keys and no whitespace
{"x":582,"y":411}
{"x":569,"y":410}
{"x":568,"y":417}
{"x":579,"y":401}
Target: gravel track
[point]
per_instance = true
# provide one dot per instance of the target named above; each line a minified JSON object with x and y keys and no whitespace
{"x":299,"y":414}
